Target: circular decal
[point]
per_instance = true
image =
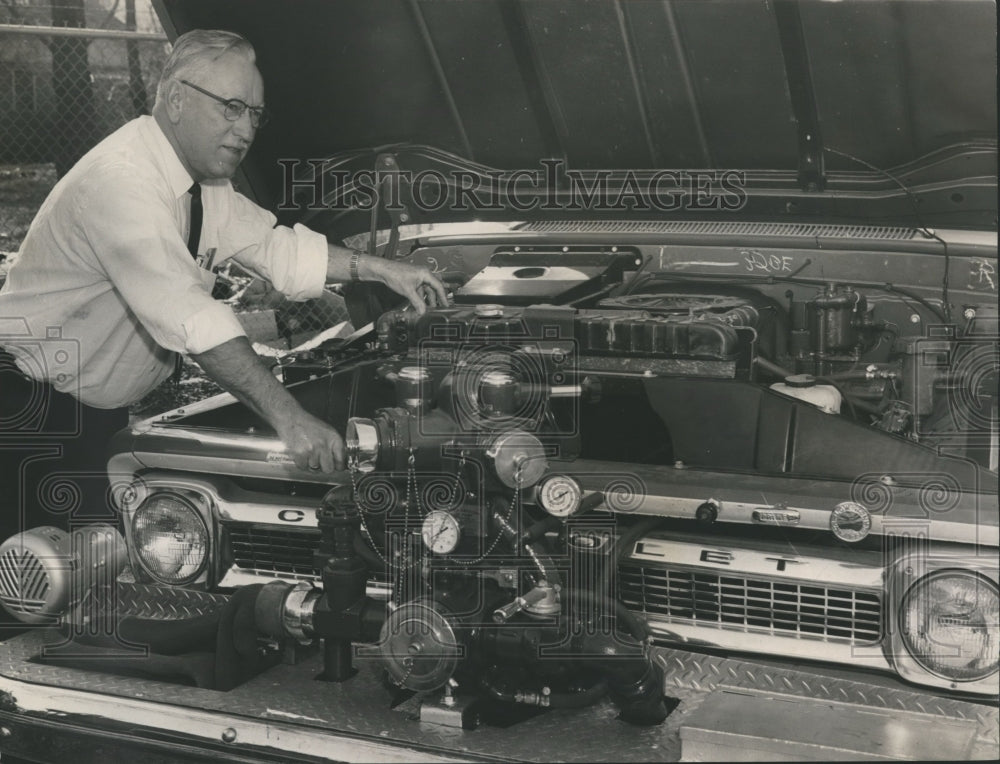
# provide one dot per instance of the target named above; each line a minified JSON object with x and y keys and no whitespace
{"x":850,"y":521}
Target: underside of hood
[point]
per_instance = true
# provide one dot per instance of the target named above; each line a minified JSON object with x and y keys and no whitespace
{"x":773,"y":85}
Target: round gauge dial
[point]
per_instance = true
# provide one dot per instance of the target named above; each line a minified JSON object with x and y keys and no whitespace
{"x":560,"y":495}
{"x":440,"y":532}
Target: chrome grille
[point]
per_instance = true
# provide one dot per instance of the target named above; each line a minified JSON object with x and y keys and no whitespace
{"x":24,"y":582}
{"x":272,"y":551}
{"x":788,"y":608}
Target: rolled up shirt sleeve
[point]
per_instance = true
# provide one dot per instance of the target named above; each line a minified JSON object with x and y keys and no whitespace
{"x":293,"y":260}
{"x":133,"y":232}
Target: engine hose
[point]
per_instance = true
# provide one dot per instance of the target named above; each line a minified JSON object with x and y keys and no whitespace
{"x":580,"y":699}
{"x":634,"y":680}
{"x":171,"y":637}
{"x":537,"y":550}
{"x":539,"y":529}
{"x":633,"y":534}
{"x":859,"y":376}
{"x":772,"y":368}
{"x":544,"y":562}
{"x":185,"y":646}
{"x":853,"y":404}
{"x":636,"y":627}
{"x":163,"y":637}
{"x":236,"y":656}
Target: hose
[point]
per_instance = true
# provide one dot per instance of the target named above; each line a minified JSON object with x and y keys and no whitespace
{"x":633,"y":534}
{"x":853,"y":404}
{"x":160,"y":636}
{"x":636,"y":627}
{"x":539,"y":529}
{"x":580,"y":699}
{"x":538,"y":552}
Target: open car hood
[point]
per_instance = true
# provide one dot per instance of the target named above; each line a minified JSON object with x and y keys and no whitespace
{"x":814,"y":101}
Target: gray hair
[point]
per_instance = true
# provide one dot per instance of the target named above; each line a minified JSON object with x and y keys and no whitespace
{"x":195,"y":51}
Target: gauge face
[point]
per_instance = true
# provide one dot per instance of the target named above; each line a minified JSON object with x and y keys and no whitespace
{"x":440,"y":532}
{"x":560,"y":495}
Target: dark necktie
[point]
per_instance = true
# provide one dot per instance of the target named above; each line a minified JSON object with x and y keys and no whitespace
{"x":194,"y":236}
{"x":197,"y":213}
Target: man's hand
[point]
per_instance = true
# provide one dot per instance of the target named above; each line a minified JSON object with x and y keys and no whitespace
{"x":416,"y":284}
{"x":311,"y":442}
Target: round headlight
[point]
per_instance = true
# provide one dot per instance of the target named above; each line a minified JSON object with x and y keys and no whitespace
{"x":948,"y":621}
{"x":170,"y":538}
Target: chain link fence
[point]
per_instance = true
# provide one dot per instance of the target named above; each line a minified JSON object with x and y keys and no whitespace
{"x":71,"y":74}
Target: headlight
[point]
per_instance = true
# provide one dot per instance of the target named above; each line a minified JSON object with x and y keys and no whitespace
{"x":170,"y":538}
{"x":948,"y":622}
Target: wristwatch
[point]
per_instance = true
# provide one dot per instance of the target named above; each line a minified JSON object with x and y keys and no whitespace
{"x":352,"y":267}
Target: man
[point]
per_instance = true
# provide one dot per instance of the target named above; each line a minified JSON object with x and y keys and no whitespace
{"x":112,"y":282}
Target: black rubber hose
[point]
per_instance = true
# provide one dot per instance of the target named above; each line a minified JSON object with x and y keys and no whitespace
{"x":163,"y":637}
{"x":852,"y":403}
{"x":172,"y":637}
{"x":580,"y":699}
{"x":772,"y":368}
{"x":634,"y":625}
{"x":537,"y":549}
{"x":236,"y":656}
{"x":545,"y":558}
{"x":539,"y":529}
{"x":633,"y":534}
{"x":634,"y":680}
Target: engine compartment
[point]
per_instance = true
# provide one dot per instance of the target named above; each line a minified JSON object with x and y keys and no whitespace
{"x":635,"y":449}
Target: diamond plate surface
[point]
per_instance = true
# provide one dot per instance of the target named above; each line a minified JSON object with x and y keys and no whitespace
{"x":361,"y":706}
{"x":704,"y":673}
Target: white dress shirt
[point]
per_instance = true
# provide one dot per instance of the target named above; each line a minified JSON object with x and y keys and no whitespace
{"x":104,"y":289}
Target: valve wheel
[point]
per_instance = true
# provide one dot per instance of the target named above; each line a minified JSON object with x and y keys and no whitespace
{"x":419,"y":647}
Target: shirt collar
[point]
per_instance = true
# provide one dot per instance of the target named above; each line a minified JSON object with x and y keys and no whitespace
{"x":173,"y":170}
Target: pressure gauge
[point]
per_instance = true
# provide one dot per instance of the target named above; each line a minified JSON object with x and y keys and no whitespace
{"x":440,"y":532}
{"x":560,"y":495}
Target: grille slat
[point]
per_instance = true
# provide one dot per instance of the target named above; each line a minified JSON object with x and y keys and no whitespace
{"x":777,"y":607}
{"x":269,"y":551}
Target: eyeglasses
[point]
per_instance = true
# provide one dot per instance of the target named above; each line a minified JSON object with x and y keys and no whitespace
{"x":235,"y":107}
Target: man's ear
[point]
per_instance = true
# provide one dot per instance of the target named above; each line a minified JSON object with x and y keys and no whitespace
{"x":174,"y":101}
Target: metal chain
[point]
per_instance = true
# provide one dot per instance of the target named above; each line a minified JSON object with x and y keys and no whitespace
{"x":412,"y":491}
{"x":408,"y":662}
{"x":510,"y":512}
{"x":458,"y":481}
{"x":361,"y":516}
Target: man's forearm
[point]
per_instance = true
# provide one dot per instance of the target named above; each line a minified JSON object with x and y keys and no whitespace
{"x":310,"y":442}
{"x":416,"y":283}
{"x":338,"y":264}
{"x":239,"y":370}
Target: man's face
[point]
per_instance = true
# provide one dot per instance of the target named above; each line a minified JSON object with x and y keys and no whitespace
{"x":210,"y":145}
